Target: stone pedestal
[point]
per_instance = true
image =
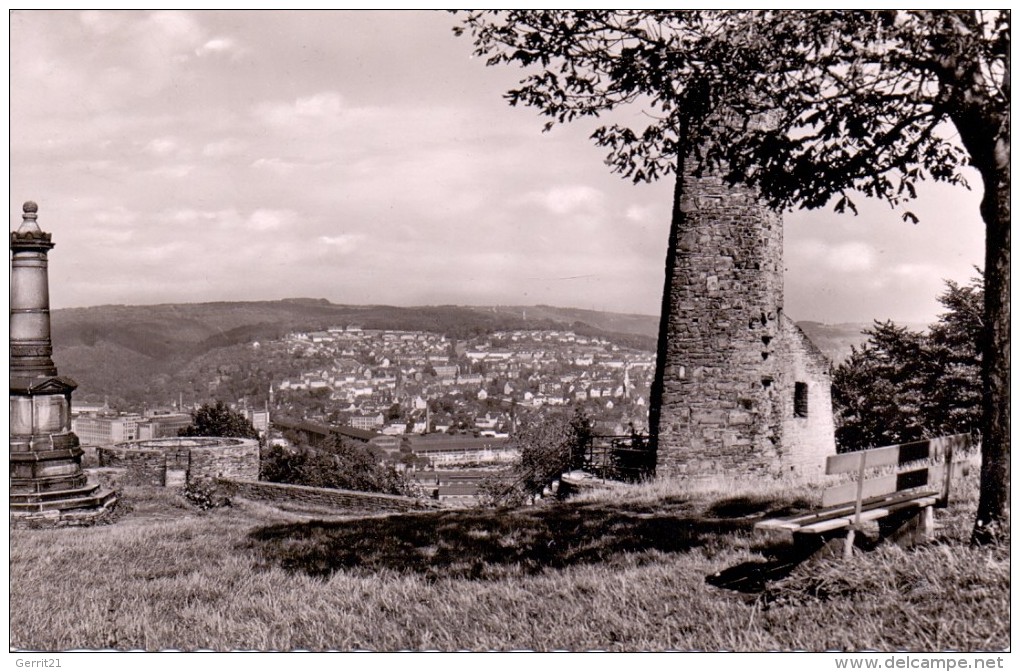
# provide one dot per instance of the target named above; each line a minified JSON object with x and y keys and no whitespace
{"x":47,"y":483}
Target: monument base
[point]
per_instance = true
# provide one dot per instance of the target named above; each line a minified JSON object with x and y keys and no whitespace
{"x":91,"y":504}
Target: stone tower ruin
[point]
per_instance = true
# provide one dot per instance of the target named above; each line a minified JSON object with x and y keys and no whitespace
{"x":743,"y":391}
{"x":47,"y":484}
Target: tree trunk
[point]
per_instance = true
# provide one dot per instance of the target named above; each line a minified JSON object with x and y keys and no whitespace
{"x":992,"y":522}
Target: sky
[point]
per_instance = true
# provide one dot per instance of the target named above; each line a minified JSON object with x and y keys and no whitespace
{"x":369,"y":158}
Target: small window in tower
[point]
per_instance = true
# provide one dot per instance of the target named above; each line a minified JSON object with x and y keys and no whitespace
{"x":800,"y":400}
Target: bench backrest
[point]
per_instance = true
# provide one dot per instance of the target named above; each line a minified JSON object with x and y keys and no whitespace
{"x":934,"y":476}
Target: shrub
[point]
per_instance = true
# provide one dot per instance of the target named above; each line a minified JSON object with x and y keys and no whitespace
{"x":204,"y":494}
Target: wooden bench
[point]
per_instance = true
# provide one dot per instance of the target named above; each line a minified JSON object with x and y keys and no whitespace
{"x":901,"y":500}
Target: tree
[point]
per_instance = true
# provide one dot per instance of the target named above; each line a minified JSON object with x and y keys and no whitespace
{"x":956,"y":344}
{"x":549,"y":445}
{"x":808,"y":107}
{"x":338,"y":463}
{"x":903,"y":385}
{"x":218,"y":420}
{"x":878,"y":393}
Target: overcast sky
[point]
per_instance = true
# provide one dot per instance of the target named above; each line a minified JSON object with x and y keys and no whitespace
{"x":366,"y":157}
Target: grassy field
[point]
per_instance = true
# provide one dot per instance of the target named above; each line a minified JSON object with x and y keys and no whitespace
{"x":620,"y":571}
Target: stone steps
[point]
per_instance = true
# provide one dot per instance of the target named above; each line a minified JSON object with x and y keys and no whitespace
{"x":92,"y":496}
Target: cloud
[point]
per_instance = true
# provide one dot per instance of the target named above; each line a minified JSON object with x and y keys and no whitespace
{"x":274,"y":164}
{"x":568,"y":199}
{"x":326,"y":105}
{"x":265,"y":220}
{"x":642,"y":214}
{"x":329,"y":104}
{"x":846,"y":257}
{"x":217,"y":45}
{"x":176,"y":171}
{"x":161,"y":146}
{"x":916,"y":272}
{"x":345,"y":243}
{"x":223,"y":148}
{"x":851,"y":257}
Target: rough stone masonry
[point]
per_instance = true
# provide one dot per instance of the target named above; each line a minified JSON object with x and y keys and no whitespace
{"x":744,"y":392}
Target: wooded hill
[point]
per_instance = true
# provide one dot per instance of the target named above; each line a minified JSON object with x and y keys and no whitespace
{"x":134,"y":352}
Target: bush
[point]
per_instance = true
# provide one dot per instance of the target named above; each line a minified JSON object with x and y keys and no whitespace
{"x":339,"y":463}
{"x":549,"y":446}
{"x":204,"y":494}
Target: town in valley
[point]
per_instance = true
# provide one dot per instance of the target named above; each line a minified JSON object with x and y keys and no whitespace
{"x":441,"y":409}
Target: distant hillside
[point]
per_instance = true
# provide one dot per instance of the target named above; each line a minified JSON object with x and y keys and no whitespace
{"x":835,"y":340}
{"x":643,"y":325}
{"x":133,"y":352}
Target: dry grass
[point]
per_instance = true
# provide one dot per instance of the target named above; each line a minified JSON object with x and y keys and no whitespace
{"x":623,"y":571}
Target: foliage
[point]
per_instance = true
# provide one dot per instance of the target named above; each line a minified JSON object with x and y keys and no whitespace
{"x":806,"y":106}
{"x":955,"y":340}
{"x":219,"y":420}
{"x":203,"y":494}
{"x":549,"y":445}
{"x":339,"y":463}
{"x":903,"y":385}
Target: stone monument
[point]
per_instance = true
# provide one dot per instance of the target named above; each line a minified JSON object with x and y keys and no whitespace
{"x":48,"y":485}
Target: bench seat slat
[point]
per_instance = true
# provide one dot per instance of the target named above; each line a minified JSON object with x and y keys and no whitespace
{"x":801,"y":521}
{"x":825,"y":526}
{"x":866,"y":516}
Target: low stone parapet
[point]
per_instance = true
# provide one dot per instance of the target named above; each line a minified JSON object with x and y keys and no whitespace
{"x":172,"y":461}
{"x":342,"y":501}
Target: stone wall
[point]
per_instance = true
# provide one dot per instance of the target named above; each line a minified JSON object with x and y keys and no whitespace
{"x":140,"y":466}
{"x":343,"y":501}
{"x":807,"y":439}
{"x":718,"y":408}
{"x":160,"y":462}
{"x":732,"y":360}
{"x":240,"y":461}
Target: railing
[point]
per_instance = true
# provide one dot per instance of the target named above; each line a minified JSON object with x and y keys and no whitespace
{"x":626,"y":457}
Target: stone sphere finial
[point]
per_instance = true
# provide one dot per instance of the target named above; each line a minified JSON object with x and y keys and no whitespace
{"x":28,"y":218}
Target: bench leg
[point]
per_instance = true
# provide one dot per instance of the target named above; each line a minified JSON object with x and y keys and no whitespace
{"x":848,"y":544}
{"x":817,"y":546}
{"x":908,"y":529}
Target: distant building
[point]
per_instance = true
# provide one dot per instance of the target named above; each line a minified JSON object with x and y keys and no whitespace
{"x":162,"y":426}
{"x":451,"y":449}
{"x":314,"y":434}
{"x":367,"y":422}
{"x":106,"y":430}
{"x":83,"y":407}
{"x":259,"y":420}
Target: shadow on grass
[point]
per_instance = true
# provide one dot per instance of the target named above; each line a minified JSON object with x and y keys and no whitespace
{"x":488,"y":544}
{"x":783,"y":557}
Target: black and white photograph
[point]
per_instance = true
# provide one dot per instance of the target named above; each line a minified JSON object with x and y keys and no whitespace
{"x":679,"y":332}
